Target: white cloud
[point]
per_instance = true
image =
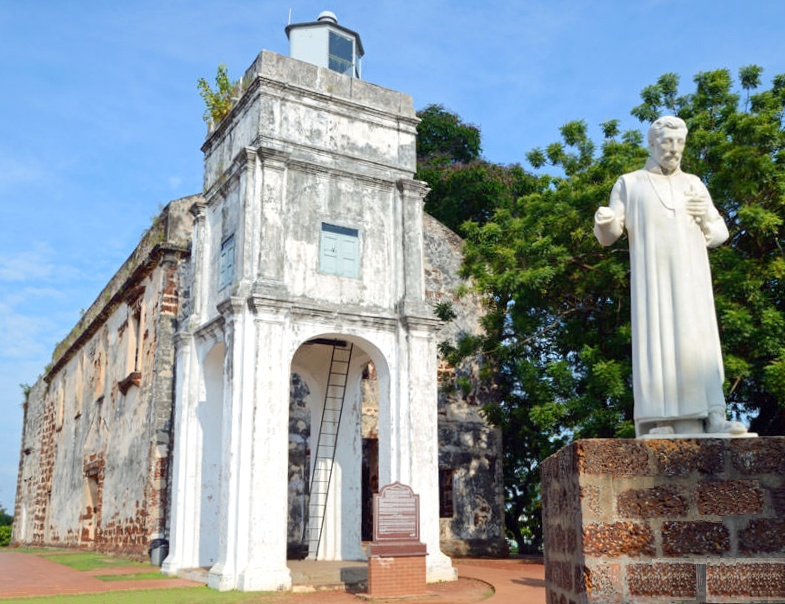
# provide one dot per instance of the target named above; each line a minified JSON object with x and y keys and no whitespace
{"x":24,"y":336}
{"x":28,"y":265}
{"x":15,"y":171}
{"x":36,"y":264}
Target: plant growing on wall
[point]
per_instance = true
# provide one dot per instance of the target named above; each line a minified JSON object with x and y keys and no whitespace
{"x":219,"y":101}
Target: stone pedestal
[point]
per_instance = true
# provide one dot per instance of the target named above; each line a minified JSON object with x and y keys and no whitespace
{"x":396,"y":558}
{"x":396,"y":570}
{"x":654,"y":521}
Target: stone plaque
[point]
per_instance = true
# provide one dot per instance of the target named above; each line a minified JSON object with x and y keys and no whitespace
{"x":396,"y":514}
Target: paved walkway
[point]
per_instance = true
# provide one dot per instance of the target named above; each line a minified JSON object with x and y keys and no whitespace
{"x":23,"y":575}
{"x":515,"y":581}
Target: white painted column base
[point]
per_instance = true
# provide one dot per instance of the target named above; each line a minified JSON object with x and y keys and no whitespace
{"x":221,"y":578}
{"x":438,"y":568}
{"x":265,"y":579}
{"x":170,"y":568}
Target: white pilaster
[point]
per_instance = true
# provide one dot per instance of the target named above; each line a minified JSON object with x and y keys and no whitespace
{"x":423,"y":455}
{"x":236,"y":451}
{"x":182,"y":548}
{"x":265,"y":537}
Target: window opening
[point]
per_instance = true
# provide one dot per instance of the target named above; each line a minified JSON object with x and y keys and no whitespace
{"x":341,"y":54}
{"x":339,"y":251}
{"x":446,"y":493}
{"x":226,"y":263}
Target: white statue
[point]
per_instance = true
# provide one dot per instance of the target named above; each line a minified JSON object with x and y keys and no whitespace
{"x":670,"y":221}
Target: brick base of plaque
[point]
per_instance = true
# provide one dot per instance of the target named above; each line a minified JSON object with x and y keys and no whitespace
{"x":396,"y":558}
{"x":396,"y":570}
{"x":652,"y":521}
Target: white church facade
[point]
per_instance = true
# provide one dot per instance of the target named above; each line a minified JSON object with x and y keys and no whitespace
{"x":216,"y":396}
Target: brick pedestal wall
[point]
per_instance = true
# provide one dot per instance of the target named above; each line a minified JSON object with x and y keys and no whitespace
{"x":653,"y":521}
{"x":396,"y":571}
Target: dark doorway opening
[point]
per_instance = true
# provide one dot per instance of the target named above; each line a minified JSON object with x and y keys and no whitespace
{"x":370,"y":480}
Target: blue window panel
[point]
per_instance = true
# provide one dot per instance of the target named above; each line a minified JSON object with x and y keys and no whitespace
{"x":226,"y":263}
{"x":339,"y":251}
{"x":341,"y":54}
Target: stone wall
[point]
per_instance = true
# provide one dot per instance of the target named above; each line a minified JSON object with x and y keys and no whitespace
{"x":644,"y":521}
{"x":299,"y":467}
{"x":95,"y":447}
{"x":470,"y":449}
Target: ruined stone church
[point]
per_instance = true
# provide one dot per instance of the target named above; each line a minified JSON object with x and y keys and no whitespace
{"x":267,"y":358}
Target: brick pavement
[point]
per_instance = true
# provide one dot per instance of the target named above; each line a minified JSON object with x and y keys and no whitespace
{"x":515,"y":581}
{"x":23,"y":575}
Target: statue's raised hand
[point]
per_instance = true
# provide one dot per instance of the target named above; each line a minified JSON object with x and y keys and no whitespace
{"x":697,"y":205}
{"x":604,"y":215}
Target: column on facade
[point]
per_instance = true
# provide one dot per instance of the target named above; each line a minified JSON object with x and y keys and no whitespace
{"x":412,"y":194}
{"x":236,"y":451}
{"x":249,"y":244}
{"x":183,"y":550}
{"x":272,"y":191}
{"x":200,"y":281}
{"x":267,"y":512}
{"x":414,"y":428}
{"x":419,"y":398}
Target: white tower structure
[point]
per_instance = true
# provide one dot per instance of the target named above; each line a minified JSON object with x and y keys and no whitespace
{"x":308,"y":260}
{"x":325,"y":43}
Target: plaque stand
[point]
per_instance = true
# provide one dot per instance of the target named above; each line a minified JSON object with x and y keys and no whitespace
{"x":396,"y":558}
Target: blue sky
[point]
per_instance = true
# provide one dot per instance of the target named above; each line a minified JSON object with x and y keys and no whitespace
{"x":100,"y":118}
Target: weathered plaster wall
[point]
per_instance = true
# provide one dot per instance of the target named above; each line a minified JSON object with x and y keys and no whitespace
{"x":35,"y":465}
{"x":289,"y":157}
{"x":362,"y":123}
{"x":468,"y":445}
{"x":93,"y":468}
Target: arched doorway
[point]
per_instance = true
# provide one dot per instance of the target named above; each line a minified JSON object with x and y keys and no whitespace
{"x":327,"y":470}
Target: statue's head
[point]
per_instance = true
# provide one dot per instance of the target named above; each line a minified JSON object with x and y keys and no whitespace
{"x":667,"y":137}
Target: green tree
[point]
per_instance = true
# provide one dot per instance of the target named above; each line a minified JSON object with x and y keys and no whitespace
{"x":6,"y":519}
{"x":557,"y":332}
{"x":557,"y":326}
{"x":443,"y":137}
{"x":463,"y":185}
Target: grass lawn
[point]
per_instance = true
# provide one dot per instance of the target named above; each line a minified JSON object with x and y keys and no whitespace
{"x":91,"y":560}
{"x":144,"y":576}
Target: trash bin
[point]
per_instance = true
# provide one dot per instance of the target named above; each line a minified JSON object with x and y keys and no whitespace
{"x":159,"y":549}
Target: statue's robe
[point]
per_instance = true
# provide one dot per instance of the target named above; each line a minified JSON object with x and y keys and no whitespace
{"x":677,"y":361}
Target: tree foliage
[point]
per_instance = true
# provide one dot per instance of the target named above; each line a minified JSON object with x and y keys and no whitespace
{"x":557,"y":326}
{"x":557,"y":330}
{"x":463,"y":185}
{"x":6,"y":519}
{"x":444,"y":138}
